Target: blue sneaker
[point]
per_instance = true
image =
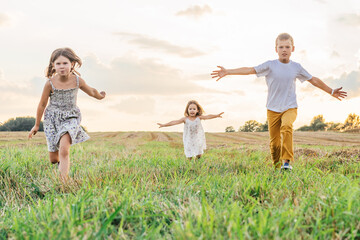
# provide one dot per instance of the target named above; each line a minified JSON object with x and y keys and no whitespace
{"x":286,"y":166}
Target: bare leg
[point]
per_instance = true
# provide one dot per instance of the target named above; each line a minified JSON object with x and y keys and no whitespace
{"x":54,"y":157}
{"x":64,"y":150}
{"x":190,"y":158}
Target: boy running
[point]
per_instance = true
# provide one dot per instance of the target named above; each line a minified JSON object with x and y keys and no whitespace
{"x":280,"y":75}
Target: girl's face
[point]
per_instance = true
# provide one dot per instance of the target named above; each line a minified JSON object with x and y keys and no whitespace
{"x":192,"y":110}
{"x":62,"y":66}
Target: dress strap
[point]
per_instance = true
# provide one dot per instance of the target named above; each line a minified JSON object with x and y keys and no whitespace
{"x":52,"y":85}
{"x":77,"y":80}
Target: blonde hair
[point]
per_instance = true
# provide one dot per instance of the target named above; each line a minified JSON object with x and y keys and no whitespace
{"x":65,"y":52}
{"x":284,"y":36}
{"x":200,"y":109}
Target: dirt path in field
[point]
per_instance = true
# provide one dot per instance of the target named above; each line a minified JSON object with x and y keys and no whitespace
{"x":251,"y":138}
{"x":131,"y":140}
{"x":327,"y":138}
{"x":257,"y":138}
{"x":160,"y":137}
{"x":213,"y":139}
{"x":306,"y":138}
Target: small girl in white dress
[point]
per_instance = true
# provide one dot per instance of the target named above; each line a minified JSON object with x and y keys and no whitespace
{"x":194,"y":136}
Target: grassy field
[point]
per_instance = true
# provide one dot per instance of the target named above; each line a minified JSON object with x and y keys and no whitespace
{"x":139,"y":185}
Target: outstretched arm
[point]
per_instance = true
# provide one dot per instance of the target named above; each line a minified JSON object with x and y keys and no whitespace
{"x":237,"y":71}
{"x":40,"y":109}
{"x":172,"y":123}
{"x":211,"y":116}
{"x":336,"y":93}
{"x":91,"y":91}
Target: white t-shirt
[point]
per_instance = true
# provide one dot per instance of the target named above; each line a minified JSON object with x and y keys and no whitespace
{"x":280,"y":79}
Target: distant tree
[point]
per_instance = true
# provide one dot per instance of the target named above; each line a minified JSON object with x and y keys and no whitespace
{"x":351,"y":122}
{"x":250,"y":126}
{"x":20,"y":124}
{"x":331,"y":126}
{"x":229,"y":129}
{"x":304,"y":128}
{"x":264,"y":127}
{"x":318,"y":123}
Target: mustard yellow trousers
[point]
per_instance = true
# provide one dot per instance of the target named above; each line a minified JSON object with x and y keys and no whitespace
{"x":281,"y":135}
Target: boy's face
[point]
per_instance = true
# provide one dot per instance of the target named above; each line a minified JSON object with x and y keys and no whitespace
{"x":284,"y":49}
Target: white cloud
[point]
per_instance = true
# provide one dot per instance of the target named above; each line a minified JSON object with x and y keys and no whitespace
{"x":137,"y":76}
{"x":357,"y":55}
{"x":195,"y":11}
{"x":349,"y":81}
{"x":4,"y":19}
{"x":303,"y":54}
{"x":33,"y":87}
{"x":135,"y":105}
{"x":351,"y":19}
{"x":146,"y":42}
{"x":335,"y":54}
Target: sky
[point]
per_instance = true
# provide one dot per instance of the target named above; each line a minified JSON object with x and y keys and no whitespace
{"x":152,"y":56}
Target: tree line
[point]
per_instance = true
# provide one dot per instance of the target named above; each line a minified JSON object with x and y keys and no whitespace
{"x":250,"y":126}
{"x":318,"y":123}
{"x":352,"y":123}
{"x":20,"y":124}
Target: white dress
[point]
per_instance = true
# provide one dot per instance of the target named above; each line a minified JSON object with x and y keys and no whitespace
{"x":193,"y":138}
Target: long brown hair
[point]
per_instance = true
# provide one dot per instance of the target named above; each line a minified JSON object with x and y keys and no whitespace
{"x":200,"y":109}
{"x":65,"y":52}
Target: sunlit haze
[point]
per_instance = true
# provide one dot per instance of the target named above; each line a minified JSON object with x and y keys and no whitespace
{"x":152,"y":57}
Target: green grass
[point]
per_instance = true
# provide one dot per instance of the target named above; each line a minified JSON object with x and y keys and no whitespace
{"x":131,"y":188}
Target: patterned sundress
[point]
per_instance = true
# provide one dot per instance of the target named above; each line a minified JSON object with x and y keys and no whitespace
{"x":193,"y":138}
{"x":63,"y":116}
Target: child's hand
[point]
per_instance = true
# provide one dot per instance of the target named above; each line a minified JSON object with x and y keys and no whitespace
{"x":219,"y":115}
{"x":33,"y":131}
{"x":219,"y":73}
{"x":339,"y":94}
{"x":160,"y":125}
{"x":103,"y":94}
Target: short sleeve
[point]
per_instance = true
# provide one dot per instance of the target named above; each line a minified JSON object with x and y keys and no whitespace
{"x":303,"y":75}
{"x":262,"y":69}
